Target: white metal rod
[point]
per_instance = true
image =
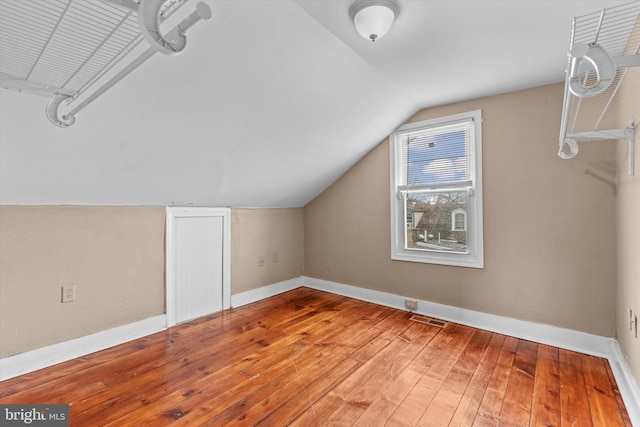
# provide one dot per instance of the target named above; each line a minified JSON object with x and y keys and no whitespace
{"x":115,"y":79}
{"x":48,"y":40}
{"x":610,"y":100}
{"x":627,"y":61}
{"x":129,"y":4}
{"x":181,"y":28}
{"x":566,"y":110}
{"x":632,"y":160}
{"x":602,"y":135}
{"x":97,"y":48}
{"x":632,"y":152}
{"x":595,"y":40}
{"x":20,"y":84}
{"x":202,"y":12}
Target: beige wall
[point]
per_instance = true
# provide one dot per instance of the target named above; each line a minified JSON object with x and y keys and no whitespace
{"x":113,"y":255}
{"x":628,"y":229}
{"x":549,"y":224}
{"x":261,"y":233}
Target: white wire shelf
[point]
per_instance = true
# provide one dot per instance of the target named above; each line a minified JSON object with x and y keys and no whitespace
{"x":604,"y":51}
{"x":63,"y":48}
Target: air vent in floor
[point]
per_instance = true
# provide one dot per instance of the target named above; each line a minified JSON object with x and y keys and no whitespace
{"x":429,"y":321}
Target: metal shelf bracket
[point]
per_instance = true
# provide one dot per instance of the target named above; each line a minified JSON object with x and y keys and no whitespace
{"x":604,"y":46}
{"x":149,"y":20}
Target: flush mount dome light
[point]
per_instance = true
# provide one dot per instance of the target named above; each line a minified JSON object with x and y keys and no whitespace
{"x":373,"y":18}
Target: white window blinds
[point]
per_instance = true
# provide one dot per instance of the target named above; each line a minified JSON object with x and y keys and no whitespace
{"x":436,"y":157}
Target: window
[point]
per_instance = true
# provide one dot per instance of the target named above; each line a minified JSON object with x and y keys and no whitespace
{"x":436,"y":191}
{"x":458,"y":220}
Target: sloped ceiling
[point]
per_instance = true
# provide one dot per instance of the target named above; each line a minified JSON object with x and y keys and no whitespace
{"x":274,"y":100}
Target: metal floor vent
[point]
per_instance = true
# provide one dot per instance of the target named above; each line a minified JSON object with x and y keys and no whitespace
{"x":429,"y":321}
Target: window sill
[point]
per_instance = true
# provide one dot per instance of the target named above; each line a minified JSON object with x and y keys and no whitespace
{"x":441,"y":259}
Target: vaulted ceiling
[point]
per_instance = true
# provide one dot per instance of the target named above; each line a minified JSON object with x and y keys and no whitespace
{"x":273,"y":100}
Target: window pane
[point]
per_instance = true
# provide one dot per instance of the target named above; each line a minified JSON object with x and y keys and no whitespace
{"x":429,"y":217}
{"x":436,"y":155}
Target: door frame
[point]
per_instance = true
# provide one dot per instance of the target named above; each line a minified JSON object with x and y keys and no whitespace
{"x":173,"y":213}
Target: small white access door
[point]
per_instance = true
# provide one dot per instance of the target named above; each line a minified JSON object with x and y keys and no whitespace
{"x":198,"y":262}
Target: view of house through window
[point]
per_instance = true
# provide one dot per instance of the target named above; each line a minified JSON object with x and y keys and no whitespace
{"x":435,"y":221}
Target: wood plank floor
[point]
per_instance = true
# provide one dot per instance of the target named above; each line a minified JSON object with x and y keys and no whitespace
{"x":309,"y":358}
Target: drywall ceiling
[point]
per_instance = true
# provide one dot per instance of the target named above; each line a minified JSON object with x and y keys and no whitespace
{"x":273,"y":100}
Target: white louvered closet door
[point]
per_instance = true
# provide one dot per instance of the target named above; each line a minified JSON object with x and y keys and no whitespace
{"x":195,"y":264}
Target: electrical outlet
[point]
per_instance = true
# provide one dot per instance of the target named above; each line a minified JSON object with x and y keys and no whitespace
{"x":411,"y":304}
{"x":260,"y":261}
{"x":68,"y":293}
{"x":274,"y":257}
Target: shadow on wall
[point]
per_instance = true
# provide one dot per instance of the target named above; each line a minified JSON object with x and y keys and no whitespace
{"x":604,"y":171}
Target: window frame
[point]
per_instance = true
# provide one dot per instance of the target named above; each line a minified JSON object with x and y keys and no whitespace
{"x":473,"y":218}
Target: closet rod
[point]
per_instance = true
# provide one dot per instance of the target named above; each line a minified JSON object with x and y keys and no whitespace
{"x":603,"y":47}
{"x":172,"y":43}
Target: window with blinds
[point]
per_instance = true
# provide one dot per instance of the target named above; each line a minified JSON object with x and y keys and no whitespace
{"x":436,"y":191}
{"x":436,"y":156}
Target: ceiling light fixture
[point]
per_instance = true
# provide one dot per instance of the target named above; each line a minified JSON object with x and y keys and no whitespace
{"x":373,"y":18}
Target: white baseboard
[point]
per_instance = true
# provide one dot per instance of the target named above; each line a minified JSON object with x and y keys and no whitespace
{"x":254,"y":295}
{"x":40,"y":358}
{"x":546,"y":334}
{"x":51,"y":355}
{"x":569,"y":339}
{"x":626,"y":384}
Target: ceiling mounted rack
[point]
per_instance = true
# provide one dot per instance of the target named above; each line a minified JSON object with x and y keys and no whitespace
{"x":603,"y":52}
{"x":75,"y":50}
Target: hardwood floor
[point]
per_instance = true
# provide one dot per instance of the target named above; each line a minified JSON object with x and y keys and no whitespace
{"x":308,"y":358}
